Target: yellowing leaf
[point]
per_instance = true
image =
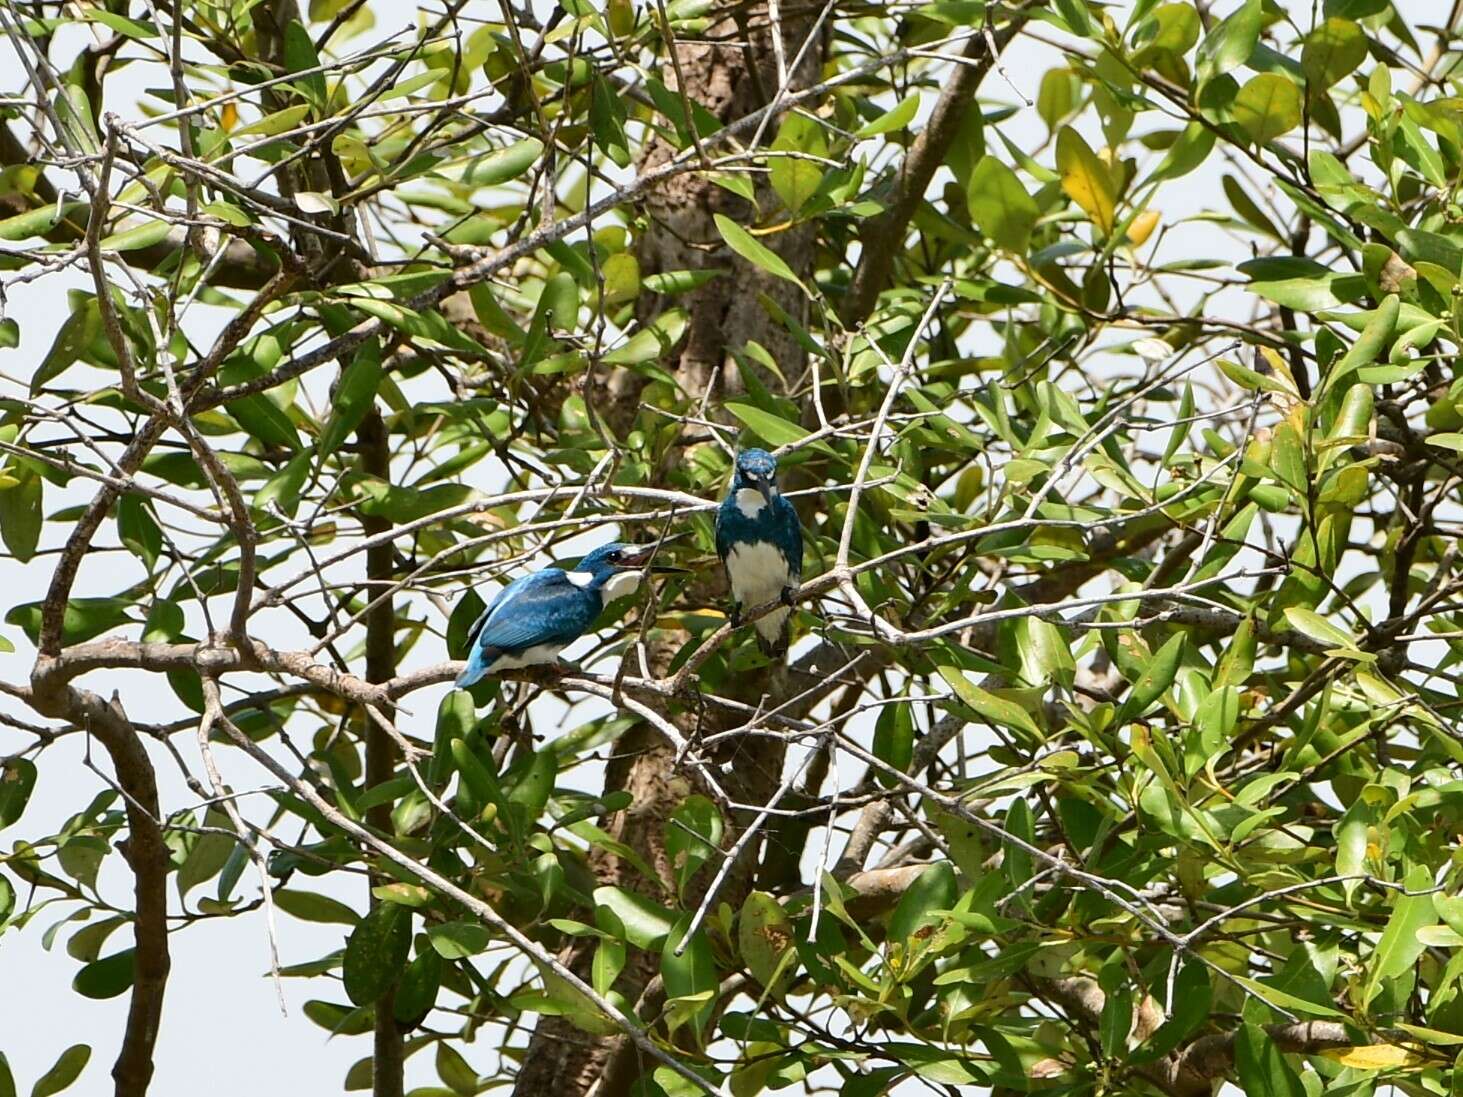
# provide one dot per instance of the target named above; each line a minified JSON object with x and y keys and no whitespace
{"x":1085,"y":178}
{"x":1373,"y":1057}
{"x":1142,"y":227}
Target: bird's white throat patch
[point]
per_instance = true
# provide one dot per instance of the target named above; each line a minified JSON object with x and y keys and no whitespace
{"x":750,"y":502}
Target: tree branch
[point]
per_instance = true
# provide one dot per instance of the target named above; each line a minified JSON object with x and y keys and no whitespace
{"x":148,"y":857}
{"x":883,"y":239}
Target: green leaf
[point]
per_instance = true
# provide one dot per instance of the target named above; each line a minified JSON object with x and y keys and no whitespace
{"x":1229,"y":44}
{"x":608,"y":962}
{"x":20,"y":514}
{"x":933,"y":889}
{"x":998,"y":710}
{"x":652,"y":342}
{"x":1154,"y":680}
{"x":772,"y":429}
{"x":138,"y":530}
{"x":1000,"y":206}
{"x":352,"y":397}
{"x":753,"y":251}
{"x":896,"y":118}
{"x":607,"y":117}
{"x":416,"y":993}
{"x":1369,"y":344}
{"x":1333,"y":51}
{"x":66,"y":1070}
{"x":503,"y":165}
{"x":17,"y":782}
{"x":308,"y":906}
{"x":132,"y":28}
{"x":7,"y":1079}
{"x":300,"y":55}
{"x":1262,"y":1070}
{"x":1187,"y":153}
{"x":1353,"y":835}
{"x":1267,"y":107}
{"x":1398,"y":948}
{"x":692,"y":837}
{"x":207,"y":857}
{"x":106,"y":978}
{"x":84,"y":618}
{"x":136,"y":238}
{"x":1285,"y":1000}
{"x":1085,"y":179}
{"x":453,"y":1069}
{"x":693,"y":972}
{"x":645,"y":921}
{"x":73,"y":339}
{"x":279,"y":121}
{"x":530,"y":793}
{"x":796,"y":180}
{"x":1446,"y":440}
{"x":376,"y":952}
{"x":894,"y":740}
{"x":457,"y":940}
{"x":764,"y":937}
{"x":1288,"y":457}
{"x":1315,"y":626}
{"x":37,"y":222}
{"x":1074,"y":14}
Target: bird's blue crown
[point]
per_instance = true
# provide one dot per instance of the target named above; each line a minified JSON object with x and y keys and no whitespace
{"x":755,"y":467}
{"x":608,"y":559}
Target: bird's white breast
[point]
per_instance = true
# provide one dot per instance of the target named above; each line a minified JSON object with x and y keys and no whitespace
{"x":758,"y":572}
{"x":536,"y":656}
{"x":750,"y":502}
{"x":621,"y":585}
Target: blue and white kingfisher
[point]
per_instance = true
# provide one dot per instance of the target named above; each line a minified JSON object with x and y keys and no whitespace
{"x":760,"y":544}
{"x":534,"y":618}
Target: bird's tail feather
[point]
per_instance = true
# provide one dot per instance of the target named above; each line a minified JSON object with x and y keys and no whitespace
{"x":772,"y":633}
{"x":477,"y":666}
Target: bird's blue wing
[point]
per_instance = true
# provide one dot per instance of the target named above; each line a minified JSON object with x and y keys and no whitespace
{"x":790,"y":537}
{"x":723,"y":527}
{"x":502,"y":596}
{"x":543,"y":608}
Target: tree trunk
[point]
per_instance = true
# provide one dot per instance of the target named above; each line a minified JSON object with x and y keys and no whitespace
{"x":729,"y":79}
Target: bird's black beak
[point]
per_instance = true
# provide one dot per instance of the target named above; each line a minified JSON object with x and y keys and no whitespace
{"x":767,"y":488}
{"x":640,"y":556}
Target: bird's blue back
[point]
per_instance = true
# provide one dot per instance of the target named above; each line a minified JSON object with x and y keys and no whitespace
{"x":776,"y":523}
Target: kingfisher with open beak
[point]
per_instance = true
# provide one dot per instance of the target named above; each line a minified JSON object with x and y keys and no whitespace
{"x":534,"y":618}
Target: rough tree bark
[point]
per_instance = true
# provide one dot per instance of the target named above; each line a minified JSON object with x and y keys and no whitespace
{"x":730,"y":72}
{"x":381,"y":753}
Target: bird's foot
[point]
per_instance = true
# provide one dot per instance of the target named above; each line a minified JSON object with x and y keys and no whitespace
{"x":788,"y":597}
{"x":734,"y":615}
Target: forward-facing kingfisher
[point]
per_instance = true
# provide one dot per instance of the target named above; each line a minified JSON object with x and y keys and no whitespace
{"x":760,"y":544}
{"x":534,"y":618}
